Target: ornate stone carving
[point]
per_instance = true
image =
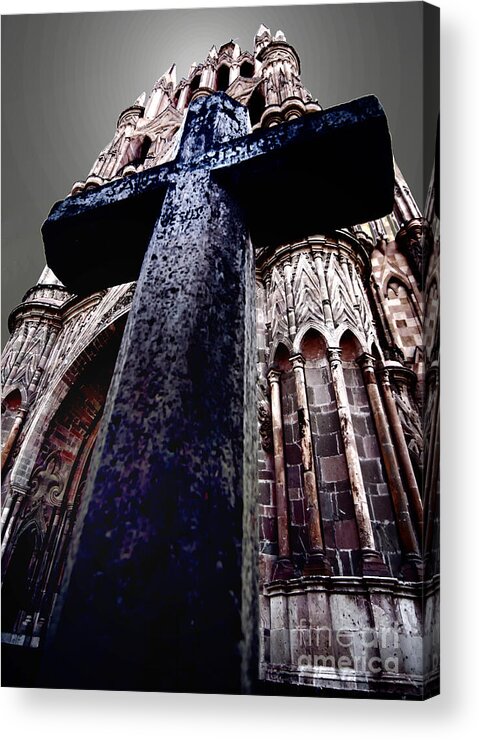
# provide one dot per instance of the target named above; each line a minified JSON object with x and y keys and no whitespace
{"x":46,"y":482}
{"x":412,"y":426}
{"x":307,"y":293}
{"x":264,"y":416}
{"x":277,"y":297}
{"x":342,"y":305}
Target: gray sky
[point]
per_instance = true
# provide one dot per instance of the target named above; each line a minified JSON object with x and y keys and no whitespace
{"x":65,"y":79}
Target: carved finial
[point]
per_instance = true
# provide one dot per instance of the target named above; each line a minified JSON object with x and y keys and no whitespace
{"x":213,"y":52}
{"x":192,"y":68}
{"x":279,"y":36}
{"x":262,"y":38}
{"x":141,"y":99}
{"x":262,"y":30}
{"x":167,"y":77}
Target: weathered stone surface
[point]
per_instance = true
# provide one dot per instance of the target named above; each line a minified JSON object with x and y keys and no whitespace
{"x":156,"y":593}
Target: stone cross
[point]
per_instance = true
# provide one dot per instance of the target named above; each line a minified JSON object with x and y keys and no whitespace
{"x":159,"y":591}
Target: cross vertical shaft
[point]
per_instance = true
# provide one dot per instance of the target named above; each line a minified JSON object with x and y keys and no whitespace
{"x":154,"y":599}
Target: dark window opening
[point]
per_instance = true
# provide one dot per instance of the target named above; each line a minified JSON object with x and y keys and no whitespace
{"x":247,"y":70}
{"x":194,"y":85}
{"x":15,"y":591}
{"x":223,"y":78}
{"x":256,"y":107}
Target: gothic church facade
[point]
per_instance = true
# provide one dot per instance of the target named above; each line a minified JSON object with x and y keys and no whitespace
{"x":347,"y":415}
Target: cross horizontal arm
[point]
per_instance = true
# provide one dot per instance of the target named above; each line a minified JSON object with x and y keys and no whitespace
{"x":98,"y":238}
{"x":317,"y":173}
{"x":323,"y":171}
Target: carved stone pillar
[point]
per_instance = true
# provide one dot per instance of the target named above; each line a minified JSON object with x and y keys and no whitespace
{"x":398,"y":495}
{"x":317,"y":561}
{"x":13,"y":434}
{"x":284,"y":568}
{"x":182,"y":98}
{"x":328,"y":315}
{"x":402,"y":450}
{"x":372,"y":561}
{"x":9,"y":519}
{"x":288,"y":271}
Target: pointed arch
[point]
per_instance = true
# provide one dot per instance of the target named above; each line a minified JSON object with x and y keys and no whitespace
{"x":351,"y":346}
{"x":55,"y":394}
{"x":279,"y":342}
{"x":346,"y":328}
{"x":14,"y":396}
{"x":313,"y":344}
{"x":391,"y":273}
{"x":308,"y":326}
{"x":405,"y":314}
{"x":60,"y":463}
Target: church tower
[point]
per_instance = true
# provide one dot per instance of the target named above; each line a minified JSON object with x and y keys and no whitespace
{"x":347,"y":379}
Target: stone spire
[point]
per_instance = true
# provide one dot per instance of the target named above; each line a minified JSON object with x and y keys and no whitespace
{"x":141,"y":99}
{"x":160,"y":95}
{"x":262,"y":38}
{"x":285,"y":97}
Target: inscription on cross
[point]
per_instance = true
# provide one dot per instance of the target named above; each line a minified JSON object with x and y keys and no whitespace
{"x":173,"y":473}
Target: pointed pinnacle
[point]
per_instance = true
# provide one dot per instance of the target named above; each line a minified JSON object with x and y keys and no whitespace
{"x":262,"y":30}
{"x":141,"y":99}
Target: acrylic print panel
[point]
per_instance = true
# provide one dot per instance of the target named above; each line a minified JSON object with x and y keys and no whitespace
{"x":214,"y":483}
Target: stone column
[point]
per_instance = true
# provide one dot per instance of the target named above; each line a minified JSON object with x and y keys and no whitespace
{"x":399,"y":499}
{"x":287,"y":272}
{"x":328,"y":316}
{"x":182,"y":99}
{"x":207,"y":77}
{"x":284,"y":567}
{"x":372,"y":561}
{"x":402,"y":450}
{"x":317,"y":561}
{"x":13,"y":434}
{"x":9,"y":517}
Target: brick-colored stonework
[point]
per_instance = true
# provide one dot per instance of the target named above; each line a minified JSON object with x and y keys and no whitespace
{"x":347,"y":358}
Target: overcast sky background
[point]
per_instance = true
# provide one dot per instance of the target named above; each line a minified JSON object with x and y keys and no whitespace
{"x":66,"y":78}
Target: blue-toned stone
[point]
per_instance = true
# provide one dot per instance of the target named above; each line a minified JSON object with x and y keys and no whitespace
{"x":160,"y":578}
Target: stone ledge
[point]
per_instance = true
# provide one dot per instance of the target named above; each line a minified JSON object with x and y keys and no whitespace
{"x":352,"y":584}
{"x":397,"y":685}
